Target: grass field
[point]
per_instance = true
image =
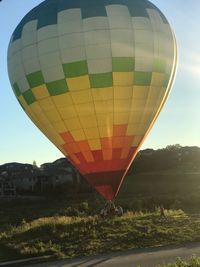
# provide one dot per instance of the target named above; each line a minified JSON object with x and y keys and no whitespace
{"x":67,"y":226}
{"x":68,"y":237}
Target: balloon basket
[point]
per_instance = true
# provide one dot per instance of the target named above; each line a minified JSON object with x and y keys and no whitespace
{"x":110,"y":210}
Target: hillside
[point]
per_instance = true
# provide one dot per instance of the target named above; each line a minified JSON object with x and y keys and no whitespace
{"x":173,"y":157}
{"x":169,"y":176}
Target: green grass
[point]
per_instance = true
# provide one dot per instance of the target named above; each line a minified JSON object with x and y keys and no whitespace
{"x":68,"y":237}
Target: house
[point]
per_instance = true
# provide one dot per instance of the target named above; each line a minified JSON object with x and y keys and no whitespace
{"x":7,"y":188}
{"x":27,"y":178}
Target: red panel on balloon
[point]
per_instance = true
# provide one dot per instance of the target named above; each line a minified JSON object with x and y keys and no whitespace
{"x":106,"y":183}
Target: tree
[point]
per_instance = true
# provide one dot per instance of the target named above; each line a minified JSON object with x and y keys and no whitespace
{"x":35,"y":164}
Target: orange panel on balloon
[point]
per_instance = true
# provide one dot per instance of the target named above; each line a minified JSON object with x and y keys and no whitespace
{"x":119,"y":130}
{"x":67,"y":137}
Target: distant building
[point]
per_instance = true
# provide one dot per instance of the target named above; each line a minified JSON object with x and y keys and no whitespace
{"x":27,"y":178}
{"x":7,"y":188}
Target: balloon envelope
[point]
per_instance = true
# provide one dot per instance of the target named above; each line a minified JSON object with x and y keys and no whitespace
{"x":93,"y":76}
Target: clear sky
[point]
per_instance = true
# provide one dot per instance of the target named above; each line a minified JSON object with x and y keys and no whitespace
{"x":21,"y":141}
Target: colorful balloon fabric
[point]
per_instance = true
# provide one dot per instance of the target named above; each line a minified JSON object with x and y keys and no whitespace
{"x":93,"y":75}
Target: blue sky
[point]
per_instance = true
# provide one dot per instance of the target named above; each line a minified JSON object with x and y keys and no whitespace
{"x":21,"y":141}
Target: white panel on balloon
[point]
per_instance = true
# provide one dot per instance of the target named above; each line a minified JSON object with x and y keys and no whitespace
{"x":97,"y":37}
{"x":54,"y":73}
{"x":71,"y":40}
{"x":48,"y":45}
{"x":98,"y":51}
{"x":122,"y":43}
{"x":31,"y":65}
{"x":23,"y":84}
{"x":99,"y":65}
{"x":118,"y":17}
{"x":141,"y":23}
{"x":47,"y":32}
{"x":29,"y":33}
{"x":50,"y":60}
{"x":73,"y":54}
{"x":95,"y":23}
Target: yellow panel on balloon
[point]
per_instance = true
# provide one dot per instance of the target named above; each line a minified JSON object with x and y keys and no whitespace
{"x":78,"y":135}
{"x":121,"y":118}
{"x":138,"y":104}
{"x":92,"y":133}
{"x":104,"y":119}
{"x":104,"y":106}
{"x":105,"y":131}
{"x":109,"y":106}
{"x":143,"y":128}
{"x":73,"y":124}
{"x":100,"y":107}
{"x":88,"y":121}
{"x":60,"y":126}
{"x":140,"y":92}
{"x":57,"y":140}
{"x":46,"y":103}
{"x":94,"y":144}
{"x":40,"y":92}
{"x":132,"y":129}
{"x":22,"y":101}
{"x":82,"y":96}
{"x":36,"y":108}
{"x":135,"y":117}
{"x":123,"y":78}
{"x":78,"y":83}
{"x":154,"y":92}
{"x":137,"y":140}
{"x":55,"y":137}
{"x":62,"y":100}
{"x":123,"y":92}
{"x":122,"y":105}
{"x":53,"y":115}
{"x":67,"y":112}
{"x":34,"y":118}
{"x":43,"y":119}
{"x":157,"y":79}
{"x":85,"y":109}
{"x":102,"y":93}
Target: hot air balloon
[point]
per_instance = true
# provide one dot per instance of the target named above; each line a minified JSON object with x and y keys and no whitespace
{"x":93,"y":75}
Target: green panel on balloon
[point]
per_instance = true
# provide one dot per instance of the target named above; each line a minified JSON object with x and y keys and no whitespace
{"x":57,"y":87}
{"x":16,"y":89}
{"x":35,"y":79}
{"x":121,"y":64}
{"x":75,"y":69}
{"x":29,"y":97}
{"x":101,"y":80}
{"x":142,"y":78}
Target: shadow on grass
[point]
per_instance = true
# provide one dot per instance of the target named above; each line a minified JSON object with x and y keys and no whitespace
{"x":7,"y":253}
